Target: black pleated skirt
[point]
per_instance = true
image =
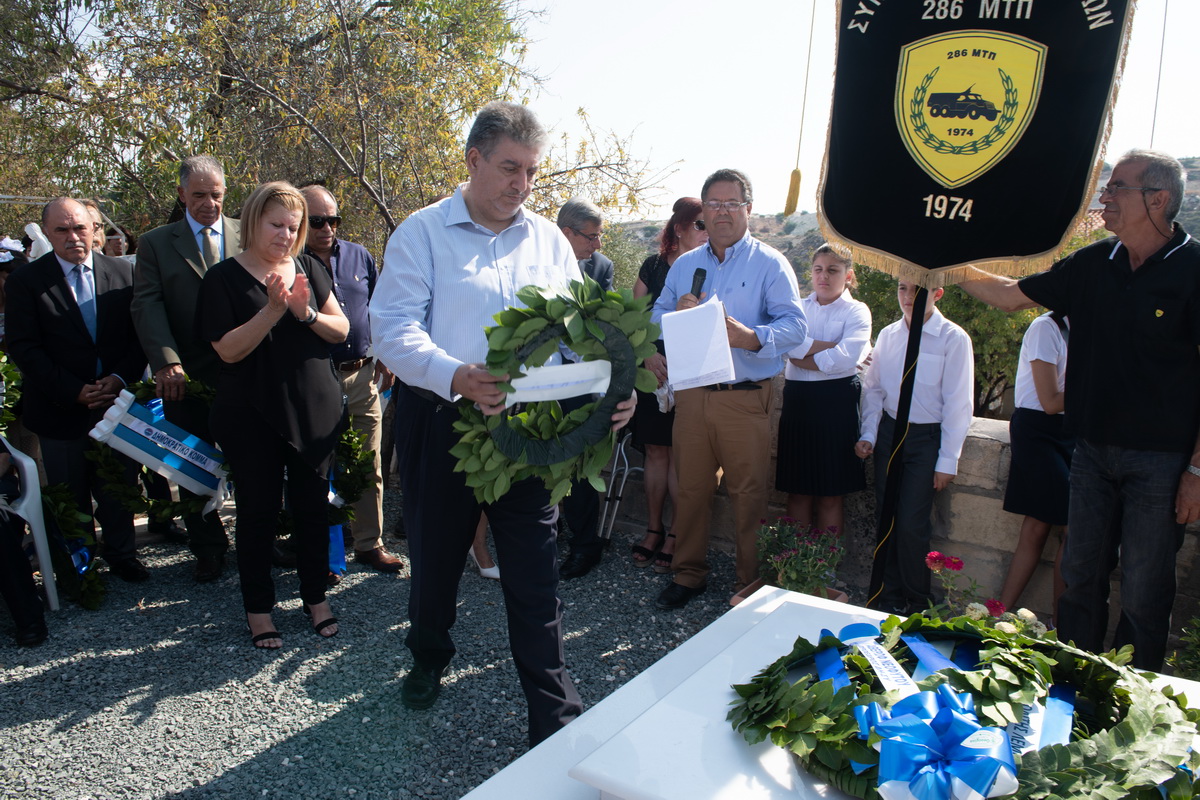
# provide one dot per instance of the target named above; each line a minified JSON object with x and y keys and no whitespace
{"x":649,"y":425}
{"x":817,"y":432}
{"x":1039,"y":478}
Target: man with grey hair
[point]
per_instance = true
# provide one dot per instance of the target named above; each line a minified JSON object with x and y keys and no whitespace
{"x":70,"y":332}
{"x":582,"y":223}
{"x":171,"y":263}
{"x":447,"y":270}
{"x":354,"y":276}
{"x":1132,"y":401}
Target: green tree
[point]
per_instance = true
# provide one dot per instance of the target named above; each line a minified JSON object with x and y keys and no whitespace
{"x":371,"y":98}
{"x":627,"y":254}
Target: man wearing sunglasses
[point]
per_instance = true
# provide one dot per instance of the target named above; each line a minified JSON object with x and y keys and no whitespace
{"x":171,"y":262}
{"x":354,"y":276}
{"x":1132,"y":401}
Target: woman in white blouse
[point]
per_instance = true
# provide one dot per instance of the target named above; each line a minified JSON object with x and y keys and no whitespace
{"x":819,"y":424}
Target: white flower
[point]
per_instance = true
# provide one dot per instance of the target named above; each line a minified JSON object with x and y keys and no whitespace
{"x":1036,"y":630}
{"x":1006,"y":627}
{"x":1027,"y":616}
{"x":977,"y":611}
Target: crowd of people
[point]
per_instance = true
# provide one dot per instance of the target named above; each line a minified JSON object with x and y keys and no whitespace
{"x":298,"y":333}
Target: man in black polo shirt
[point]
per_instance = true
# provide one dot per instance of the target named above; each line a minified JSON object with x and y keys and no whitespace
{"x":1132,"y":399}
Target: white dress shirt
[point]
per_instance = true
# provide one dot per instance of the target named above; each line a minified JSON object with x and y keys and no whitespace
{"x":443,"y":279}
{"x":846,"y":321}
{"x":1043,"y":342}
{"x":218,"y":228}
{"x":943,"y":391}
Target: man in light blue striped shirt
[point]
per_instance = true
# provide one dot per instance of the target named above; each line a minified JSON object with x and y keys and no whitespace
{"x":726,"y":427}
{"x":447,"y":269}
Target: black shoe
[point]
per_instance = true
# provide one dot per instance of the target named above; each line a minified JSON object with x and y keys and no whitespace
{"x":130,"y":570}
{"x":578,"y":564}
{"x":32,"y":635}
{"x":209,"y":568}
{"x":169,"y":530}
{"x":421,"y":687}
{"x":332,"y":579}
{"x":676,"y":595}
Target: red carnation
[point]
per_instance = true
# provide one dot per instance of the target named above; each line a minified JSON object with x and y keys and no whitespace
{"x":995,"y":607}
{"x":935,"y":560}
{"x":953,"y":564}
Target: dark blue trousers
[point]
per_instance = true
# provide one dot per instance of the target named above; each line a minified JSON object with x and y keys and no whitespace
{"x":440,"y":515}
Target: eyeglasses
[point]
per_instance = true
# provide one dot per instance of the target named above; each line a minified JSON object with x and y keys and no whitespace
{"x":591,"y":237}
{"x":698,"y":225}
{"x":317,"y":223}
{"x":1113,"y":188}
{"x":728,"y":205}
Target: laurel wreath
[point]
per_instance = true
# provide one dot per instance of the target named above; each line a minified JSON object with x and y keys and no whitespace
{"x":540,"y":439}
{"x":61,"y":512}
{"x":921,"y":128}
{"x":1129,"y":738}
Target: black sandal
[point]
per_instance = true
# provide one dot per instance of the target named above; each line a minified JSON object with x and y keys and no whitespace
{"x":266,"y":635}
{"x":662,"y":562}
{"x":322,"y":625}
{"x":647,"y":555}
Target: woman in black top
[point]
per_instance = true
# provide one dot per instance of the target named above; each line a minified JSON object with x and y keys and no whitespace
{"x":271,"y":316}
{"x":652,"y":428}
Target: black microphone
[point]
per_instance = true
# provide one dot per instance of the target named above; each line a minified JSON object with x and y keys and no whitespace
{"x":698,"y":281}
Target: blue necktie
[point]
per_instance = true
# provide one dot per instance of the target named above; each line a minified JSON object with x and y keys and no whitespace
{"x":85,"y":297}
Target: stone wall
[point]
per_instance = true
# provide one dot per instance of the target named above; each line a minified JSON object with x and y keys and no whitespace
{"x":969,"y":522}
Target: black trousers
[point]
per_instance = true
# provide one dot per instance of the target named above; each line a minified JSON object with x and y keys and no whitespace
{"x":16,"y":574}
{"x":440,"y":515}
{"x":206,"y":533}
{"x":906,"y":579}
{"x":257,"y":457}
{"x":65,"y":462}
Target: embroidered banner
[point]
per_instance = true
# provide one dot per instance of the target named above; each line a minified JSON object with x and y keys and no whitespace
{"x":967,"y":131}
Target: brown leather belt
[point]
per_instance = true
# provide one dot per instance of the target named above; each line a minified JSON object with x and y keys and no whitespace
{"x":354,"y":366}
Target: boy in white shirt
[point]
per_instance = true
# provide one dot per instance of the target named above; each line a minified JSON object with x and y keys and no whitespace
{"x":942,"y":406}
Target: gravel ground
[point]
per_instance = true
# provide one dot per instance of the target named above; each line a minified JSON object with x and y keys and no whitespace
{"x":159,"y":693}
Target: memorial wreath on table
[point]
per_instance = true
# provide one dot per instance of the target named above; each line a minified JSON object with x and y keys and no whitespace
{"x":1085,"y":725}
{"x":538,"y":439}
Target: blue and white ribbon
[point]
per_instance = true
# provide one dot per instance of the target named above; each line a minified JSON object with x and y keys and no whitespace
{"x":932,"y":746}
{"x":142,"y":433}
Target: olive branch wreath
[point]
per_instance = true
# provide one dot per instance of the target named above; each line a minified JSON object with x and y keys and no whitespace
{"x":1129,"y":739}
{"x":540,"y":439}
{"x":921,"y":128}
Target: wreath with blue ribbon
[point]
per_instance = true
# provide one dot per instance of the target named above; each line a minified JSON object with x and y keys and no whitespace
{"x":1106,"y":731}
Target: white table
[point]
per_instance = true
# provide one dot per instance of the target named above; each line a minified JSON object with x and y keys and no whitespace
{"x":664,"y":733}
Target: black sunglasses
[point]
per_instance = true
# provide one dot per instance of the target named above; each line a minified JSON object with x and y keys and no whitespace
{"x":319,"y":222}
{"x":698,"y":224}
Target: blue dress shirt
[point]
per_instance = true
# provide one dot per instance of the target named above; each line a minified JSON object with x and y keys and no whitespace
{"x":354,"y":277}
{"x":758,"y":288}
{"x":218,"y":228}
{"x":443,"y":279}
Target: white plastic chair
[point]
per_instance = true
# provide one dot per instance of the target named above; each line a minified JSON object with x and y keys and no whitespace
{"x":29,"y":507}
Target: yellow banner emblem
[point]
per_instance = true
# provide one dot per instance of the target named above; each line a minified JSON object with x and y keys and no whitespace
{"x":963,"y":99}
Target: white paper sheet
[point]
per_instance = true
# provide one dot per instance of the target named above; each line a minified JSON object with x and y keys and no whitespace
{"x":698,"y":351}
{"x":560,"y":382}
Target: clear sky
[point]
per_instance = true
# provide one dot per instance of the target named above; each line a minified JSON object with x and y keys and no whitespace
{"x":719,"y":84}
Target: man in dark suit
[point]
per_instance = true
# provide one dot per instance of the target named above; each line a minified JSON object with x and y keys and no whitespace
{"x":171,"y":262}
{"x":70,"y":332}
{"x":581,"y":222}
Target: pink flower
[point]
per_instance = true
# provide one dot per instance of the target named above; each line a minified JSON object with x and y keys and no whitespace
{"x":935,"y":560}
{"x":995,"y":607}
{"x":953,"y":564}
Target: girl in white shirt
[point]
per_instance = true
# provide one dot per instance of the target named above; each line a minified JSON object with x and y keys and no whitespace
{"x":1038,"y":479}
{"x":819,"y":424}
